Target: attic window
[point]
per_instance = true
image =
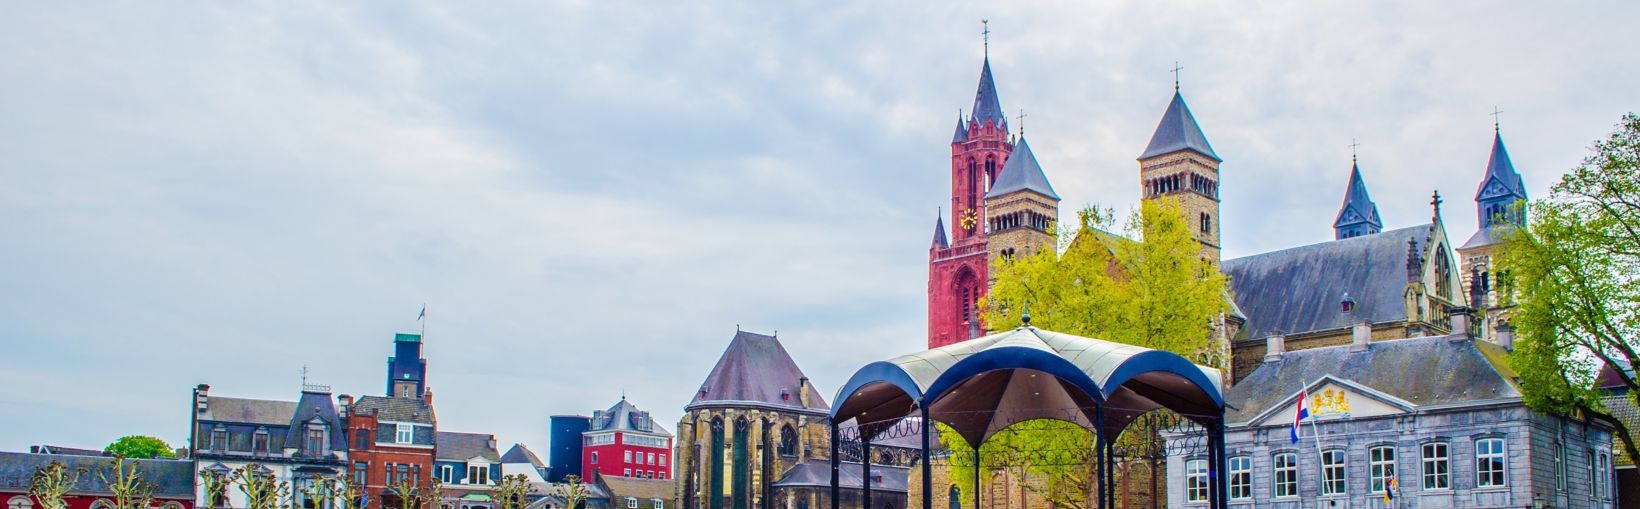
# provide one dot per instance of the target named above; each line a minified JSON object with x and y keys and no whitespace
{"x":785,"y":395}
{"x":1346,"y":304}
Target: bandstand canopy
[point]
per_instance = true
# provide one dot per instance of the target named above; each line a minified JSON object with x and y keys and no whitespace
{"x":981,"y":386}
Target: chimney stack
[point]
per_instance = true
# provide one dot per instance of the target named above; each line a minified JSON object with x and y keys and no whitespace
{"x":427,"y":395}
{"x":1275,"y":345}
{"x":803,"y":391}
{"x":1360,"y":335}
{"x":1505,"y":335}
{"x":344,"y":401}
{"x":202,"y":398}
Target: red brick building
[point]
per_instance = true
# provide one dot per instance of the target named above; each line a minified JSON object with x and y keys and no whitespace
{"x":625,"y":442}
{"x":391,"y":438}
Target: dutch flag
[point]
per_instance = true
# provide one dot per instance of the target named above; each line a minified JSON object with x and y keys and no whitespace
{"x":1299,"y":416}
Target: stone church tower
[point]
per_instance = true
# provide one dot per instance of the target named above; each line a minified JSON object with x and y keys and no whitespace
{"x":1501,"y":189}
{"x":1180,"y":164}
{"x":1021,"y":208}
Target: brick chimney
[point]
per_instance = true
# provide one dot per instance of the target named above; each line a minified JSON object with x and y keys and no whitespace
{"x":344,"y":403}
{"x":1360,"y":336}
{"x":1459,"y":315}
{"x":427,"y":395}
{"x":202,"y":399}
{"x":1274,"y":346}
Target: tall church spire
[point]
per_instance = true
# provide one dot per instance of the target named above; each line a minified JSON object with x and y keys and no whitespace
{"x":1178,"y":131}
{"x":986,"y":105}
{"x":1500,"y":189}
{"x":939,"y":233}
{"x":1359,"y":215}
{"x":1022,"y":173}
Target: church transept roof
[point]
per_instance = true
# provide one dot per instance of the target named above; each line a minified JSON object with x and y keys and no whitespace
{"x":1299,"y":289}
{"x":756,"y":369}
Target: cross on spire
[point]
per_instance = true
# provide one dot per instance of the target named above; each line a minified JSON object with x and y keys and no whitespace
{"x":304,"y":375}
{"x":986,"y":33}
{"x":1435,"y":201}
{"x":1353,"y":145}
{"x":1021,"y":118}
{"x":1175,"y":70}
{"x":1495,"y":113}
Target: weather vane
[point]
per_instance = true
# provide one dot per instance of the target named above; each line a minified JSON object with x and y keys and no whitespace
{"x":1021,"y":118}
{"x":1176,"y":69}
{"x":986,"y":33}
{"x":1495,"y":125}
{"x":1353,"y":145}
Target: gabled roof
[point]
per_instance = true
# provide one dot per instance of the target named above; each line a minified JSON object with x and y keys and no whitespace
{"x":412,"y":410}
{"x":248,"y":411}
{"x":962,"y":131}
{"x":454,"y":446}
{"x":1178,"y":131}
{"x":756,"y":369}
{"x":1424,"y":371}
{"x":172,"y":479}
{"x":939,"y":234}
{"x":986,"y":105}
{"x":1021,"y":173}
{"x":1298,"y":290}
{"x":1501,"y":170}
{"x":1358,"y":206}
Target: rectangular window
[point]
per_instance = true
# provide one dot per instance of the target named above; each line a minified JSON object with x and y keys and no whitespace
{"x":1560,"y":465}
{"x":626,"y":472}
{"x":403,"y":472}
{"x":446,"y":474}
{"x":1602,"y":478}
{"x":1437,"y":476}
{"x":631,"y":503}
{"x":659,"y":504}
{"x":359,"y":471}
{"x":404,"y":434}
{"x":1195,"y":481}
{"x":663,"y":459}
{"x":361,"y":440}
{"x":1380,"y":467}
{"x":1489,"y":463}
{"x":627,"y":456}
{"x":595,"y":458}
{"x":316,"y":442}
{"x":651,"y":459}
{"x":1241,"y":478}
{"x":1332,"y":473}
{"x":219,"y":440}
{"x":259,"y":442}
{"x":478,"y":474}
{"x":1286,"y":475}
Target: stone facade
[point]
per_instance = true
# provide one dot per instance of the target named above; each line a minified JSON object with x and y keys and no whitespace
{"x":769,"y":453}
{"x":1021,"y":224}
{"x":1192,"y":179}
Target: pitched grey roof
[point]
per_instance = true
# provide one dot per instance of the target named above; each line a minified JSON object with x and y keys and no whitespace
{"x":520,"y":454}
{"x":1021,"y":173}
{"x":1502,"y":170}
{"x":412,"y":410}
{"x":755,"y":368}
{"x":986,"y":105}
{"x":939,"y":234}
{"x":640,"y":488}
{"x":250,"y":411}
{"x":1486,"y":236}
{"x":1178,"y":131}
{"x":962,"y":131}
{"x":1358,"y":206}
{"x":1298,"y":290}
{"x":625,"y":416}
{"x":817,"y":473}
{"x":1421,"y":371}
{"x":173,"y":479}
{"x":454,"y":446}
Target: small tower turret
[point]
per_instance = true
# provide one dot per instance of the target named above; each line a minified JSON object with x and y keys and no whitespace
{"x":1359,"y":215}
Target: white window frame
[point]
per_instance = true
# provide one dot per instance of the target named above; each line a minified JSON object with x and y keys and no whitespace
{"x":659,"y":504}
{"x":626,"y":456}
{"x":478,"y":474}
{"x":1195,"y":480}
{"x":595,"y":457}
{"x":1560,"y":464}
{"x":1284,"y":477}
{"x":446,"y":474}
{"x":1240,"y":481}
{"x":1335,"y":473}
{"x":1380,"y":469}
{"x":1491,"y":461}
{"x":649,"y":458}
{"x":663,"y":459}
{"x":1436,"y":461}
{"x":631,"y":502}
{"x":404,"y":433}
{"x":1602,"y":478}
{"x":626,"y":473}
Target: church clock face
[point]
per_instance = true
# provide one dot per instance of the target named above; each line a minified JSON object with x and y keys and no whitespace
{"x":970,"y":219}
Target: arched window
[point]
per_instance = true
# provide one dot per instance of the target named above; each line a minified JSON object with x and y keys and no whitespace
{"x":990,"y":168}
{"x":742,"y":464}
{"x":20,"y":502}
{"x":973,"y":184}
{"x":1443,"y":273}
{"x":716,"y":460}
{"x":788,"y":441}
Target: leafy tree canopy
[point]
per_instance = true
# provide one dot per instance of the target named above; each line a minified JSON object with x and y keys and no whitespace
{"x":140,"y":446}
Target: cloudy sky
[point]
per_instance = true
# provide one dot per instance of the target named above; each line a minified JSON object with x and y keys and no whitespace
{"x":590,"y":196}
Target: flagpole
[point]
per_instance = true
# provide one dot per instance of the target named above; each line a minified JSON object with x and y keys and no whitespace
{"x":1321,"y":462}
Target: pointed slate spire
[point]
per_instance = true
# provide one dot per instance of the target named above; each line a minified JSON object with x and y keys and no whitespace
{"x":1021,"y":173}
{"x":1359,"y":215}
{"x":962,"y":131}
{"x":939,"y":233}
{"x":1178,"y":131}
{"x":986,"y":104}
{"x":1500,"y":188}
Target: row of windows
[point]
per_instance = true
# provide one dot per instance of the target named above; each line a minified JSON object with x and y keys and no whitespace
{"x":655,"y":503}
{"x":1180,"y":182}
{"x":1435,"y":471}
{"x":646,"y":474}
{"x":604,"y":439}
{"x":643,"y":441}
{"x":315,"y":443}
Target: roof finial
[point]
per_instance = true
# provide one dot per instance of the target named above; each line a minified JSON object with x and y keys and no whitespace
{"x":1025,"y":318}
{"x":304,"y":375}
{"x":986,"y":33}
{"x":1022,"y":122}
{"x":1495,"y":126}
{"x":1176,"y":69}
{"x":1353,"y":145}
{"x":1435,"y":201}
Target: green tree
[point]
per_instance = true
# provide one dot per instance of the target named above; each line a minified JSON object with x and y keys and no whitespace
{"x":1572,"y":277}
{"x":140,"y":446}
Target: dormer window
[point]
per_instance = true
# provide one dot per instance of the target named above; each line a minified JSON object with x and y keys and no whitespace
{"x":219,"y":439}
{"x":259,"y":441}
{"x":315,"y":441}
{"x":403,"y":434}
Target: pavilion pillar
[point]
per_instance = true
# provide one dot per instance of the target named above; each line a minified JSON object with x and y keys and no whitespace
{"x":835,"y":489}
{"x":1099,"y":453}
{"x":927,"y":470}
{"x":865,"y":466}
{"x":976,"y":475}
{"x":1219,"y":481}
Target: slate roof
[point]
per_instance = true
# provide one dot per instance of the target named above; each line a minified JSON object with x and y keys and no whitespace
{"x":817,"y":473}
{"x":1358,"y":206}
{"x":625,"y":416}
{"x":1434,"y":370}
{"x":755,"y":368}
{"x":1485,"y":236}
{"x":939,"y":234}
{"x":962,"y":131}
{"x":412,"y":410}
{"x":58,"y":449}
{"x":454,"y":446}
{"x":640,"y":488}
{"x":520,"y":454}
{"x":249,"y":411}
{"x":1021,"y":173}
{"x":986,"y":104}
{"x":173,"y":479}
{"x":1500,"y":167}
{"x":1178,"y":131}
{"x":315,"y":405}
{"x":1298,"y":290}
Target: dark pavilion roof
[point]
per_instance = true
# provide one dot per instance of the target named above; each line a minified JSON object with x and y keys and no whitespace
{"x":962,"y":131}
{"x":1358,"y":206}
{"x":1434,"y":370}
{"x":624,"y":416}
{"x":1178,"y":131}
{"x":939,"y":233}
{"x":412,"y":410}
{"x":248,"y":411}
{"x":756,"y":369}
{"x":1021,"y":173}
{"x":1298,"y":290}
{"x":315,"y":406}
{"x":986,"y":105}
{"x":173,"y":479}
{"x":520,"y":454}
{"x":1500,"y":170}
{"x":817,"y":473}
{"x":454,"y":446}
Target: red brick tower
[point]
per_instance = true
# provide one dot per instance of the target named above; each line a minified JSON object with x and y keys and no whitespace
{"x":957,"y":269}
